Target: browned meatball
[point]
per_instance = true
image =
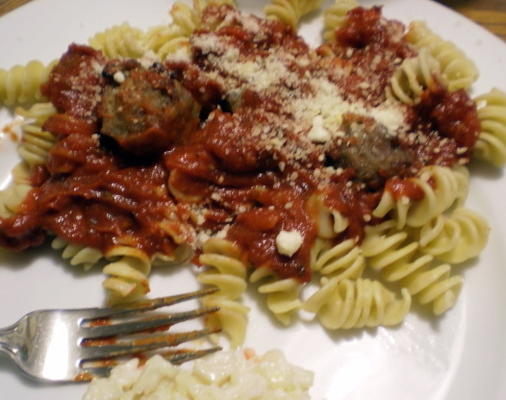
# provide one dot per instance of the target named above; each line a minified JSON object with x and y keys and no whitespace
{"x":370,"y":151}
{"x":145,"y":110}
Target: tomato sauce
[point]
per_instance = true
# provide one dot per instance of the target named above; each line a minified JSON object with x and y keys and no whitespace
{"x":247,"y":171}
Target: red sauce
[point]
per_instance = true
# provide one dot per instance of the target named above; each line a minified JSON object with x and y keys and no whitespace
{"x":404,"y":188}
{"x":452,"y":114}
{"x":374,"y":48}
{"x":230,"y":174}
{"x":83,"y":377}
{"x":353,"y":204}
{"x":75,"y":83}
{"x":9,"y":130}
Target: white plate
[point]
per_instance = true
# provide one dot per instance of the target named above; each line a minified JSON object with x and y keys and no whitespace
{"x":460,"y":356}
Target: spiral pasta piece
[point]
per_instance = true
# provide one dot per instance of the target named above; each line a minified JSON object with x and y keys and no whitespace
{"x":282,"y":295}
{"x":329,"y":223}
{"x":347,"y":304}
{"x":491,"y":143}
{"x":14,"y":194}
{"x":127,"y":274}
{"x":227,"y":272}
{"x":164,"y":41}
{"x":185,"y":17}
{"x":341,"y":261}
{"x":120,"y":41}
{"x":21,"y":84}
{"x":77,"y":255}
{"x":335,"y":16}
{"x":457,"y":69}
{"x":38,"y":113}
{"x":442,"y":187}
{"x":189,"y":18}
{"x":35,"y":142}
{"x":413,"y":77}
{"x":391,"y":252}
{"x":290,"y":12}
{"x":35,"y":145}
{"x":454,"y":238}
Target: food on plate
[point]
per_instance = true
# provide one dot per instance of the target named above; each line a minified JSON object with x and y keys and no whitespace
{"x":227,"y":375}
{"x":276,"y":163}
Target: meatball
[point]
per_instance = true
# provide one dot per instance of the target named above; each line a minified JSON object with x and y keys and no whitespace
{"x":145,"y":110}
{"x":370,"y":151}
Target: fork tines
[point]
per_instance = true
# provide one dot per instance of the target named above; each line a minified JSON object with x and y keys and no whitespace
{"x":111,"y":333}
{"x":177,"y":357}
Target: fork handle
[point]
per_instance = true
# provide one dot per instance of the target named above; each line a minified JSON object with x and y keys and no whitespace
{"x":10,"y":340}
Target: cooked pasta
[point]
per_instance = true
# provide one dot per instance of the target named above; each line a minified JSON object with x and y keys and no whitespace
{"x":234,"y":140}
{"x":290,"y":12}
{"x":335,"y":16}
{"x":127,"y":274}
{"x":226,"y":271}
{"x":282,"y":295}
{"x":77,"y":255}
{"x":329,"y":223}
{"x":14,"y":194}
{"x":361,"y":303}
{"x":189,"y":18}
{"x":414,"y":76}
{"x":120,"y":41}
{"x":342,"y":261}
{"x":454,"y":238}
{"x":491,"y":144}
{"x":397,"y":257}
{"x":185,"y":17}
{"x":456,"y":67}
{"x":21,"y":84}
{"x":165,"y":40}
{"x":37,"y":113}
{"x":35,"y":142}
{"x":448,"y":187}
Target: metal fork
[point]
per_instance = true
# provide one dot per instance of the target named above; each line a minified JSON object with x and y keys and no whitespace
{"x":76,"y":345}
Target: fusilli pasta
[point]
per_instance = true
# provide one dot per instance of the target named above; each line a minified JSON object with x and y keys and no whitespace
{"x":189,"y":18}
{"x":413,"y":76}
{"x":290,"y":12}
{"x":14,"y":194}
{"x":329,"y":223}
{"x":77,"y":255}
{"x":127,"y":274}
{"x":456,"y":68}
{"x":491,"y":144}
{"x":449,"y":187}
{"x":342,"y":261}
{"x":391,"y":251}
{"x":21,"y":84}
{"x":166,"y":40}
{"x":454,"y":238}
{"x":35,"y":142}
{"x":227,"y":272}
{"x":120,"y":41}
{"x":334,"y":17}
{"x":348,"y":304}
{"x":282,"y":295}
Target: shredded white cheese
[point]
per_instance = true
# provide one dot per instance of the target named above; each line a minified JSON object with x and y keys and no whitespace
{"x":119,"y":77}
{"x":288,"y":242}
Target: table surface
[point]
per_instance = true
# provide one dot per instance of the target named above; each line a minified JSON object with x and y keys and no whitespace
{"x":489,"y":13}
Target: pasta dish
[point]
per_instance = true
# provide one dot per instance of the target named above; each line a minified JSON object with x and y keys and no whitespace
{"x":225,"y":138}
